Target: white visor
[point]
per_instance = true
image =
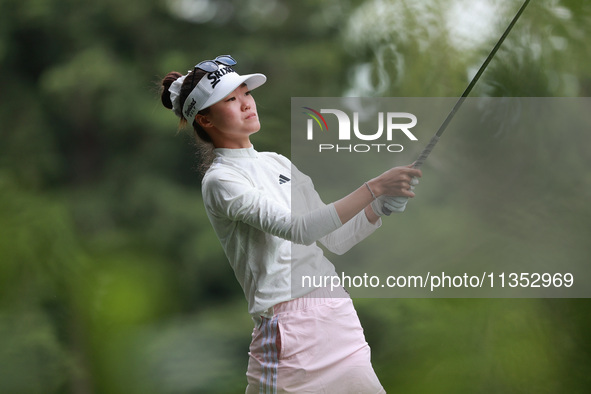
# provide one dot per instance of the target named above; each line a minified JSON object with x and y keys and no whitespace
{"x":214,"y":86}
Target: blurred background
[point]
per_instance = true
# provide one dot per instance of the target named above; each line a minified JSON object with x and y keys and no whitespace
{"x":111,"y":279}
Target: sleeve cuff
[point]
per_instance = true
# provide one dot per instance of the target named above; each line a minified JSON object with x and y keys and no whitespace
{"x":335,"y":216}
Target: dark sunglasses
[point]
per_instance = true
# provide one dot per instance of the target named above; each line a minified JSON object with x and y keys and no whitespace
{"x":213,"y":65}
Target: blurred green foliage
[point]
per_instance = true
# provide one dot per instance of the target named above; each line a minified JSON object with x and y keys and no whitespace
{"x":111,"y":280}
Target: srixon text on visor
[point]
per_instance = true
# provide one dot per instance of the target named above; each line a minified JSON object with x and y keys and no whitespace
{"x":397,"y":123}
{"x":216,"y":76}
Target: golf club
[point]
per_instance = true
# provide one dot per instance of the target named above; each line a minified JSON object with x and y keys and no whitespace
{"x":427,"y":150}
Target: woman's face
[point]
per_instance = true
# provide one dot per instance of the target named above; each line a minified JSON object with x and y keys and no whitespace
{"x":231,"y":121}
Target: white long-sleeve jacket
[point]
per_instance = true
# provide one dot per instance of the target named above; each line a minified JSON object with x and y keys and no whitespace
{"x":268,"y":217}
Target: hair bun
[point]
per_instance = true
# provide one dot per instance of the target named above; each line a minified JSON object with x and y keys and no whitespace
{"x":166,"y":82}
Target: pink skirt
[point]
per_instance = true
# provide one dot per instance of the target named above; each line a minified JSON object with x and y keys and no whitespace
{"x":312,"y":344}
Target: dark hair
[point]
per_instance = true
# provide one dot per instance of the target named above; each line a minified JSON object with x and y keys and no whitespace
{"x":203,"y":141}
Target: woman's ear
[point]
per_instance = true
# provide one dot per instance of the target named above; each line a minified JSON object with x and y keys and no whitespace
{"x":203,"y":121}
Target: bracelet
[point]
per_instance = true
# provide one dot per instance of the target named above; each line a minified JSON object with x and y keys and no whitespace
{"x":369,"y":188}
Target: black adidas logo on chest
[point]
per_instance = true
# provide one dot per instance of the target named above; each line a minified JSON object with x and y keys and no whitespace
{"x":283,"y":179}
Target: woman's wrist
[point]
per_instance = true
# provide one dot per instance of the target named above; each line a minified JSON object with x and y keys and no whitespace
{"x":371,"y":216}
{"x":370,"y":191}
{"x":374,"y":187}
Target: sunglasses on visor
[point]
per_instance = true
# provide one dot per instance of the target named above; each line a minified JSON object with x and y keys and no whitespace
{"x":213,"y":65}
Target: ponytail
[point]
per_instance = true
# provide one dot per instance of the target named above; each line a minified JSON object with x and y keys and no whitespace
{"x":203,"y":141}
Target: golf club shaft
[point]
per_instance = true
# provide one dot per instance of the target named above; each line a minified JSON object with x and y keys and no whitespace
{"x":427,"y":150}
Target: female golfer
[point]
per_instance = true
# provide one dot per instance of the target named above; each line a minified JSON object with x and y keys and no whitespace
{"x":268,"y":218}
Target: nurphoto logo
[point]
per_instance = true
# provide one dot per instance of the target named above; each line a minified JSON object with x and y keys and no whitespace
{"x":397,"y":125}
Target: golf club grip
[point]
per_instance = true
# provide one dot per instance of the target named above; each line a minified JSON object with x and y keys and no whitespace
{"x":425,"y":153}
{"x":419,"y":162}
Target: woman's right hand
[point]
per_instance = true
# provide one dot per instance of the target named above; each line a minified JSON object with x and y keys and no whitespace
{"x":397,"y":181}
